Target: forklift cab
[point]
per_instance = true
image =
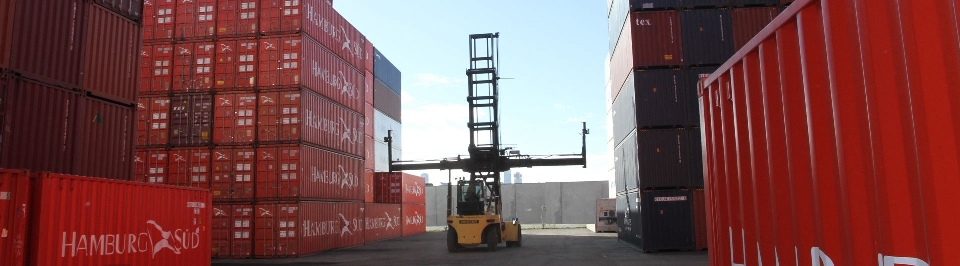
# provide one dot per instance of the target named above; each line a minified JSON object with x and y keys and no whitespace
{"x":470,"y":197}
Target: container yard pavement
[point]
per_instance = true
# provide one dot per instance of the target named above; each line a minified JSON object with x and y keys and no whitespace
{"x":577,"y":246}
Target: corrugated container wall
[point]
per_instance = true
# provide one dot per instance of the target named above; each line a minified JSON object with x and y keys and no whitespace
{"x":397,"y":187}
{"x":381,"y":156}
{"x":14,"y":210}
{"x":111,"y":50}
{"x":661,"y":100}
{"x":191,"y":119}
{"x":235,"y":64}
{"x":386,"y":72}
{"x":321,"y":22}
{"x":7,"y":14}
{"x":104,"y":139}
{"x":234,"y":173}
{"x":237,"y":18}
{"x":669,"y":158}
{"x":193,"y":65}
{"x":158,"y":20}
{"x":628,"y":219}
{"x":295,"y":61}
{"x":190,"y":167}
{"x":131,"y":9}
{"x":156,"y":68}
{"x":304,"y":228}
{"x":38,"y":126}
{"x":150,"y":165}
{"x":382,"y":123}
{"x":836,"y":131}
{"x":53,"y":37}
{"x":414,"y":219}
{"x":747,"y":22}
{"x":616,"y":19}
{"x":94,"y":209}
{"x":303,"y":172}
{"x":382,"y":222}
{"x":666,"y":220}
{"x":621,"y":61}
{"x":703,"y":3}
{"x":699,"y":219}
{"x":386,"y":101}
{"x":657,"y":40}
{"x":302,"y":116}
{"x":707,"y":35}
{"x":637,"y":5}
{"x":741,"y":3}
{"x":235,"y":118}
{"x":624,"y":112}
{"x":195,"y":19}
{"x":626,"y":162}
{"x":153,"y":121}
{"x":232,"y":230}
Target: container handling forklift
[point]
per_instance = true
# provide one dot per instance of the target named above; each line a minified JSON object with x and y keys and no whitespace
{"x":479,"y":218}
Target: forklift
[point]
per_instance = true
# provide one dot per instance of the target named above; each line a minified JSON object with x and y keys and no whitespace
{"x":479,"y":220}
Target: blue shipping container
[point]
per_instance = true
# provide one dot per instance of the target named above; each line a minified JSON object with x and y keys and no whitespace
{"x":385,"y":71}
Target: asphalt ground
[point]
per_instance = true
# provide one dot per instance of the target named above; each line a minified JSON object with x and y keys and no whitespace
{"x":577,"y":246}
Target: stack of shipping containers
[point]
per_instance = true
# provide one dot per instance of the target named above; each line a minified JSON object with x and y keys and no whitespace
{"x":407,"y":191}
{"x":68,"y":86}
{"x":659,"y":50}
{"x":262,"y":102}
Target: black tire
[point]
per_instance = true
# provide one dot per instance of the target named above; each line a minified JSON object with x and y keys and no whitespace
{"x":452,"y":245}
{"x":493,"y":238}
{"x":519,"y":242}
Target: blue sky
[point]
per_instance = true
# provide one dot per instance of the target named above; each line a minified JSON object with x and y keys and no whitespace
{"x":555,"y":51}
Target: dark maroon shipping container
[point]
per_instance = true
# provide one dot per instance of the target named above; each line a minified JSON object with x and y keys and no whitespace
{"x":46,"y":32}
{"x":626,"y":164}
{"x":7,"y":14}
{"x":386,"y":100}
{"x":104,"y":139}
{"x":666,"y":220}
{"x":191,"y":119}
{"x":747,"y":22}
{"x":656,"y":39}
{"x":158,"y":20}
{"x":691,"y":76}
{"x":669,"y":158}
{"x":638,"y":5}
{"x":111,"y":49}
{"x":707,"y":35}
{"x":131,"y":9}
{"x":703,"y":3}
{"x":195,"y":19}
{"x":38,"y":126}
{"x":754,"y":3}
{"x":661,"y":100}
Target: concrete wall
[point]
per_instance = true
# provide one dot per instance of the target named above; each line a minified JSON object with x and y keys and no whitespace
{"x":565,"y":202}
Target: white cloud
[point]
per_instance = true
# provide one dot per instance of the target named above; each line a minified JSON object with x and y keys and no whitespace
{"x":430,"y":80}
{"x":406,"y":98}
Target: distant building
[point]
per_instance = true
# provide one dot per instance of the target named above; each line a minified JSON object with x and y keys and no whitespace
{"x":507,"y":178}
{"x":426,"y":178}
{"x":517,"y":178}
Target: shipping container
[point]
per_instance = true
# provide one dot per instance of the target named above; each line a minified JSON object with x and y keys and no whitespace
{"x":656,"y":39}
{"x":627,"y":219}
{"x":153,"y":120}
{"x":71,"y":213}
{"x":707,"y":35}
{"x":193,"y":64}
{"x":195,"y":20}
{"x":382,"y":222}
{"x":38,"y":126}
{"x":369,"y":146}
{"x":151,"y":165}
{"x":306,"y":227}
{"x":14,"y":210}
{"x":833,"y":132}
{"x":624,"y":111}
{"x":368,"y":174}
{"x":287,"y":172}
{"x":626,"y":164}
{"x":368,"y":117}
{"x":156,"y":68}
{"x":191,"y":119}
{"x":691,"y":78}
{"x":319,"y":21}
{"x":234,"y":173}
{"x":638,"y":5}
{"x":53,"y":37}
{"x":189,"y":167}
{"x":414,"y":219}
{"x":110,"y":53}
{"x":616,"y":20}
{"x":368,"y":57}
{"x":382,"y":157}
{"x":158,"y":20}
{"x":669,"y":158}
{"x":699,"y":219}
{"x":232,"y":230}
{"x":105,"y":134}
{"x":621,"y":60}
{"x":368,"y":89}
{"x":236,"y":63}
{"x":235,"y":116}
{"x":237,"y":18}
{"x":302,"y":116}
{"x":386,"y":101}
{"x":397,"y":187}
{"x":747,"y":22}
{"x":295,"y":61}
{"x":704,"y":3}
{"x":666,"y":220}
{"x":382,"y":124}
{"x":661,"y":100}
{"x":386,"y":72}
{"x":130,"y":9}
{"x":7,"y":16}
{"x":757,"y":3}
{"x":606,"y":219}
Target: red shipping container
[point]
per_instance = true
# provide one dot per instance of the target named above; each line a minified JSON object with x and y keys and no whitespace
{"x":150,"y":165}
{"x":14,"y":210}
{"x":302,"y":116}
{"x":747,"y":22}
{"x":158,"y":20}
{"x":110,"y":46}
{"x":381,"y":222}
{"x":104,"y":139}
{"x":191,"y":119}
{"x":368,"y":174}
{"x":195,"y":19}
{"x":233,"y":173}
{"x":236,"y":63}
{"x":232,"y":230}
{"x":621,"y":60}
{"x":288,"y":172}
{"x":237,"y":18}
{"x":189,"y":167}
{"x":73,"y":215}
{"x":193,"y":66}
{"x":368,"y":49}
{"x":131,"y":9}
{"x":321,"y":22}
{"x":656,"y":38}
{"x":53,"y":37}
{"x":397,"y":187}
{"x":307,"y":227}
{"x":834,"y":132}
{"x":38,"y":126}
{"x":234,"y":120}
{"x":297,"y":61}
{"x":368,"y":80}
{"x":414,"y":219}
{"x":153,"y":120}
{"x":7,"y":9}
{"x":156,"y":68}
{"x":699,"y":220}
{"x":368,"y":125}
